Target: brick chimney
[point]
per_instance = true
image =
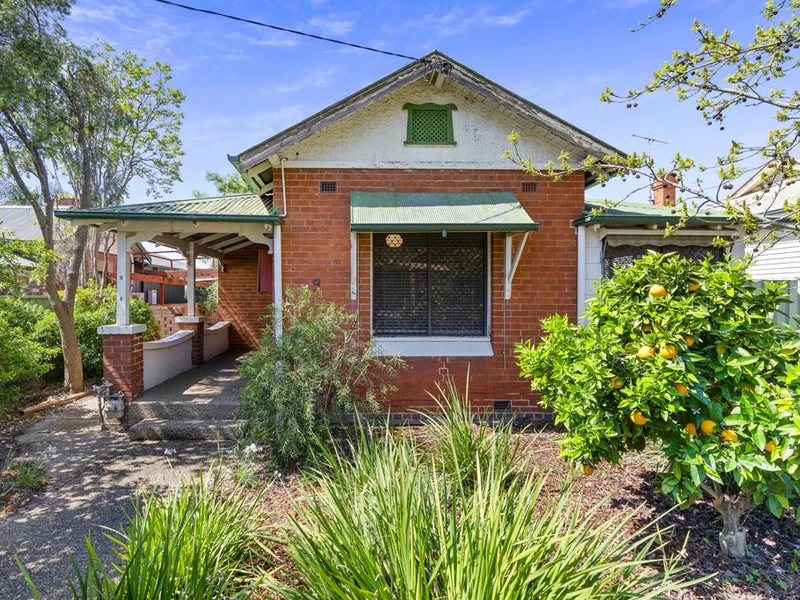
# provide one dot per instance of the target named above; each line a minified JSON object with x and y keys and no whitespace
{"x":65,"y":202}
{"x":664,"y":193}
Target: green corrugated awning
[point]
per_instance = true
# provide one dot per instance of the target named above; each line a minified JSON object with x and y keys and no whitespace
{"x":399,"y":211}
{"x":236,"y":208}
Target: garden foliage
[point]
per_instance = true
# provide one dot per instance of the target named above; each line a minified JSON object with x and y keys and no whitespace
{"x":320,"y":368}
{"x":381,"y":521}
{"x":21,"y":357}
{"x":684,"y":355}
{"x":198,"y":542}
{"x":93,"y":308}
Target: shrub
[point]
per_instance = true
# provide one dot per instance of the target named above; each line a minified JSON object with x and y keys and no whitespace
{"x":687,"y":356}
{"x":208,"y":298}
{"x":320,"y":368}
{"x":384,"y":525}
{"x":21,"y":358}
{"x":93,"y":308}
{"x":194,"y":543}
{"x":461,"y":446}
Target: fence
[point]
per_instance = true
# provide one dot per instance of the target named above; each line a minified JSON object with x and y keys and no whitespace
{"x":792,"y":309}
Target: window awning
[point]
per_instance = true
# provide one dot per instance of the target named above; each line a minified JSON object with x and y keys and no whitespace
{"x":399,"y":211}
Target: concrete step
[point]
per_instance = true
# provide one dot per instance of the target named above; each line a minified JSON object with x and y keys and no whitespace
{"x":185,"y":429}
{"x":181,"y":411}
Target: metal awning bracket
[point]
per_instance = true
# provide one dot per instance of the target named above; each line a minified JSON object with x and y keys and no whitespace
{"x":510,"y":263}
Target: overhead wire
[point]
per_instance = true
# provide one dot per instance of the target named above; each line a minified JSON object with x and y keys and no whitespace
{"x":287,"y":30}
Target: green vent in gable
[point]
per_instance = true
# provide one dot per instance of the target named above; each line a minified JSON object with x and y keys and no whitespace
{"x":430,"y":124}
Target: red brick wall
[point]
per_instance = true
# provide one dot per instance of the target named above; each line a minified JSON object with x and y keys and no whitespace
{"x":240,"y":302}
{"x":316,"y":245}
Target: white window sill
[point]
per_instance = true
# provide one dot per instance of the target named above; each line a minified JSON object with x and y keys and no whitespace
{"x":434,"y":346}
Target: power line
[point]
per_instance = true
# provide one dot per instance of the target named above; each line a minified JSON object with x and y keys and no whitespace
{"x":285,"y":30}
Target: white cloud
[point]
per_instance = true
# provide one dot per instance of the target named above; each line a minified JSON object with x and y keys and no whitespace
{"x":458,"y":20}
{"x":317,"y":78}
{"x":332,"y":25}
{"x":274,"y":41}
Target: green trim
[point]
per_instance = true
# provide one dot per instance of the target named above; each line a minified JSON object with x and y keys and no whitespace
{"x":414,"y":109}
{"x":234,"y":160}
{"x":412,"y":227}
{"x":634,"y":213}
{"x":134,"y":216}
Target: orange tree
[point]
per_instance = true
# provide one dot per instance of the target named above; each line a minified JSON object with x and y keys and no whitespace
{"x":685,"y":356}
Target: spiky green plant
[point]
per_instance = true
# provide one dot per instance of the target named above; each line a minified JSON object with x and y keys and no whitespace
{"x":385,"y":524}
{"x":461,"y":444}
{"x":196,"y":543}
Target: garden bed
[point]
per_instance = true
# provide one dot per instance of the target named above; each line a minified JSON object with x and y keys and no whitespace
{"x":770,"y":570}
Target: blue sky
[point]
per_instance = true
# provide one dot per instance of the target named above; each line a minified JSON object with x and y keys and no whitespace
{"x":244,"y":83}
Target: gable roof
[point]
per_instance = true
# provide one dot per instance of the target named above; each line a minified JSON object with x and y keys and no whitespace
{"x":21,"y":221}
{"x":433,"y":62}
{"x":639,"y":213}
{"x":236,"y":207}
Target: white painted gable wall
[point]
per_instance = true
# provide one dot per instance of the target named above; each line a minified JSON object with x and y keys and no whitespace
{"x":373,"y":136}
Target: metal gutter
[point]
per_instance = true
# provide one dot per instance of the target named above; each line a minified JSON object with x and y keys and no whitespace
{"x":401,"y":227}
{"x":136,"y":216}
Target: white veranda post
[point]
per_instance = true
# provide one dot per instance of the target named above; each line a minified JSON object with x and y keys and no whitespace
{"x":123,"y":279}
{"x":190,"y":287}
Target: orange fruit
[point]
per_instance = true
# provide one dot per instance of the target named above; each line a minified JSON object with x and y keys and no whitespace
{"x":691,"y":428}
{"x":587,"y":470}
{"x":658,"y":291}
{"x":721,"y":349}
{"x":667,"y":351}
{"x":770,"y":446}
{"x":682,"y":389}
{"x":694,"y":285}
{"x":616,"y":383}
{"x":708,"y":426}
{"x":646,"y":352}
{"x":646,"y":329}
{"x":729,"y":436}
{"x":638,"y":418}
{"x":689,"y":341}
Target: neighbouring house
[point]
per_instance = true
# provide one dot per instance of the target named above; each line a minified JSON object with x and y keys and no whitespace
{"x":765,"y":193}
{"x":614,"y":234}
{"x":158,"y":273}
{"x":397,"y":203}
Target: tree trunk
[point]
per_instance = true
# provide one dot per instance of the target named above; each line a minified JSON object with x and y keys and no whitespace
{"x":732,"y":538}
{"x":73,"y":365}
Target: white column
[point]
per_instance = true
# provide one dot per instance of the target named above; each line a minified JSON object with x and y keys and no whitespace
{"x":277,"y":291}
{"x":353,"y":266}
{"x":581,"y":272}
{"x":123,"y":279}
{"x":507,"y":267}
{"x":190,"y":270}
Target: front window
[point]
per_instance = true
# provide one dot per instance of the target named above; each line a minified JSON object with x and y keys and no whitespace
{"x":616,"y":257}
{"x":429,"y":284}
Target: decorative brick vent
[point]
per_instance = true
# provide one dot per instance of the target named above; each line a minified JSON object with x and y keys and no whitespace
{"x":327,"y":187}
{"x":501,"y":406}
{"x":530,"y":187}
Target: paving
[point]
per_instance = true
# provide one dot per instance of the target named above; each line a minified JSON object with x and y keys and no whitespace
{"x":94,"y":475}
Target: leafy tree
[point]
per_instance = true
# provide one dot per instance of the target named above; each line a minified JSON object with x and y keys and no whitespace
{"x":723,"y":76}
{"x":235,"y":183}
{"x":21,"y":259}
{"x":684,"y":355}
{"x":98,"y":119}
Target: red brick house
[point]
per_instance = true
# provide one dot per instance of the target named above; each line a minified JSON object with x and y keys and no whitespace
{"x":396,"y":202}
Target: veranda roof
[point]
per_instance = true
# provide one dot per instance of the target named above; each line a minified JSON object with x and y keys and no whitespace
{"x":639,"y":213}
{"x":233,"y":208}
{"x":398,"y":211}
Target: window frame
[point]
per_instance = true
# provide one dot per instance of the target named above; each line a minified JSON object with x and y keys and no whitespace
{"x":429,"y":106}
{"x":432,"y":345}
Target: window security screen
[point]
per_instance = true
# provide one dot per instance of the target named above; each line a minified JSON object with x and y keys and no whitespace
{"x":426,"y":284}
{"x":616,"y":257}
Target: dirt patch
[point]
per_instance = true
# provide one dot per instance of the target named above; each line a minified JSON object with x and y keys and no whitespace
{"x":769,"y":571}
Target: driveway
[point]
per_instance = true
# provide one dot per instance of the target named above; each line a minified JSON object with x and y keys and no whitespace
{"x":93,"y":477}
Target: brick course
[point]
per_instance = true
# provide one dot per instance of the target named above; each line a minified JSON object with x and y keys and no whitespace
{"x":123,"y":364}
{"x":316,"y":245}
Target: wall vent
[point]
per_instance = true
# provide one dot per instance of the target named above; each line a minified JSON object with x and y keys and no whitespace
{"x":327,"y":187}
{"x":502,"y":406}
{"x":529,"y":187}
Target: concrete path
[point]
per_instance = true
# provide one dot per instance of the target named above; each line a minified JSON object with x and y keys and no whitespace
{"x":94,"y":475}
